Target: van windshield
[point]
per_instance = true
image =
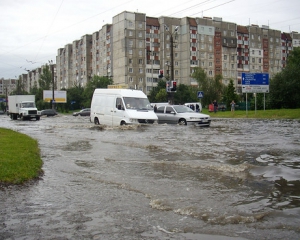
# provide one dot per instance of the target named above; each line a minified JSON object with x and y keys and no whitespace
{"x":137,"y":103}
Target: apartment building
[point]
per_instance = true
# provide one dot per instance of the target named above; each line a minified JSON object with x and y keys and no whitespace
{"x":152,"y":53}
{"x":242,"y":54}
{"x":102,"y":52}
{"x":64,"y":78}
{"x":286,"y":47}
{"x":7,"y":86}
{"x":296,"y":39}
{"x":134,"y":48}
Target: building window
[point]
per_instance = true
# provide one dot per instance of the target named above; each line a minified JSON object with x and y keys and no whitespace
{"x":130,"y":79}
{"x":130,"y":51}
{"x":225,"y":57}
{"x":140,"y":70}
{"x":130,"y":33}
{"x":131,"y":70}
{"x":140,"y":79}
{"x":140,"y":53}
{"x":140,"y":34}
{"x":141,"y":61}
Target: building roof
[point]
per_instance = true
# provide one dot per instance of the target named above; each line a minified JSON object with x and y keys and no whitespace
{"x":242,"y":29}
{"x":192,"y":22}
{"x":286,"y":36}
{"x":151,"y":21}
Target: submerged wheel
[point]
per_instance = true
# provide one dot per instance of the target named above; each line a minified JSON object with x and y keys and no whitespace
{"x":182,"y":121}
{"x":96,"y":121}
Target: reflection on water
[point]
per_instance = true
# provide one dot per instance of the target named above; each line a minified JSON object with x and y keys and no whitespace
{"x":238,"y":177}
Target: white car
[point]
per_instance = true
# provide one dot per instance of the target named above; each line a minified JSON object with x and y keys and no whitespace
{"x":180,"y":114}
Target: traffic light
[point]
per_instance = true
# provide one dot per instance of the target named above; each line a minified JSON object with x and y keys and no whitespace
{"x":173,"y":86}
{"x":161,"y":74}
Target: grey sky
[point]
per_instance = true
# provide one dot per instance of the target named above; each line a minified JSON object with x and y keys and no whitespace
{"x":33,"y":30}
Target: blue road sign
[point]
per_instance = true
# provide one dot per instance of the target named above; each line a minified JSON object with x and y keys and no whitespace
{"x":255,"y":82}
{"x":200,"y":94}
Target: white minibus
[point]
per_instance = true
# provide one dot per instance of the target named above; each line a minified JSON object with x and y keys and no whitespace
{"x":114,"y":107}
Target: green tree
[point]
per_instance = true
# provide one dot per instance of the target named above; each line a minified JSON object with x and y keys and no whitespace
{"x":230,"y":94}
{"x":185,"y":94}
{"x":96,"y":82}
{"x":212,"y":87}
{"x":155,"y":90}
{"x":161,"y":96}
{"x":285,"y":86}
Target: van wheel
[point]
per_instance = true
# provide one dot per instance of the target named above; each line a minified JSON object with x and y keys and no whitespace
{"x":123,"y":123}
{"x":96,"y":121}
{"x":182,"y":121}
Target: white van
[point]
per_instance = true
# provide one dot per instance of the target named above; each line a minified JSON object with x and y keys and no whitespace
{"x":195,"y":106}
{"x":114,"y":107}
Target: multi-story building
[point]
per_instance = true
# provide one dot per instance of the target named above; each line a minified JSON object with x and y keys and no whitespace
{"x":152,"y":53}
{"x":242,"y":54}
{"x":64,"y":64}
{"x":296,"y":39}
{"x":134,"y":48}
{"x":7,"y":86}
{"x":286,"y":47}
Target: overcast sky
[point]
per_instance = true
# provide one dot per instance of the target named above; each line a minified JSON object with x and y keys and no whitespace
{"x":33,"y":30}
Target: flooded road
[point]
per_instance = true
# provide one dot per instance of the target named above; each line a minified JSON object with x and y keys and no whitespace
{"x":238,"y":179}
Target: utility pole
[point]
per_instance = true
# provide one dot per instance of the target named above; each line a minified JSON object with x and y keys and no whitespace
{"x":172,"y":59}
{"x":52,"y":74}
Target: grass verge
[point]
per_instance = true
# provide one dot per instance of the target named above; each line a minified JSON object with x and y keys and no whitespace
{"x":20,"y":158}
{"x":259,"y":114}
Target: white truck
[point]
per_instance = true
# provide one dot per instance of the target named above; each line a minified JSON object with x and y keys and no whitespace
{"x":23,"y":107}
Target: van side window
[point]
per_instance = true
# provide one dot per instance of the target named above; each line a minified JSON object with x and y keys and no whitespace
{"x":160,"y":109}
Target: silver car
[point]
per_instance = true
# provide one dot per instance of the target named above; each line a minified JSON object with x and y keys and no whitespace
{"x":180,"y":114}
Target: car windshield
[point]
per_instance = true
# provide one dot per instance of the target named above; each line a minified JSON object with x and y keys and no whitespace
{"x":137,"y":103}
{"x":182,"y":109}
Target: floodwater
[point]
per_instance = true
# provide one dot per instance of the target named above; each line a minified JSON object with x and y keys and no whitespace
{"x":238,"y":179}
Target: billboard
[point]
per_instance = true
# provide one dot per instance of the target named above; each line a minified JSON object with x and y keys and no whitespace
{"x":59,"y":96}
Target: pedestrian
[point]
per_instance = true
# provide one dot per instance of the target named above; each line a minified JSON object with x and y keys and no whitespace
{"x":155,"y":108}
{"x":232,"y":104}
{"x":215,"y":103}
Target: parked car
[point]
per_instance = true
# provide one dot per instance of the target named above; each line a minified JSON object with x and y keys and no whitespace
{"x":195,"y":106}
{"x":183,"y":115}
{"x":83,"y":112}
{"x":48,"y":112}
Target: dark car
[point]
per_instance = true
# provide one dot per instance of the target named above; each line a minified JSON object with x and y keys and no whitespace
{"x":49,"y":112}
{"x":83,"y":112}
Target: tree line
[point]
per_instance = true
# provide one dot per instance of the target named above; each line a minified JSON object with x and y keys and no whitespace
{"x":284,"y":89}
